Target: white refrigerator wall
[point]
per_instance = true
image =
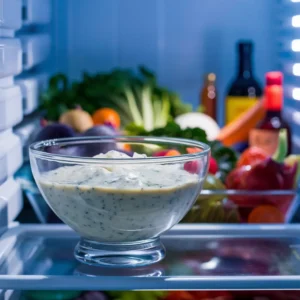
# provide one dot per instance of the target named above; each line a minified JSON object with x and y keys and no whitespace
{"x":179,"y":39}
{"x":24,"y":47}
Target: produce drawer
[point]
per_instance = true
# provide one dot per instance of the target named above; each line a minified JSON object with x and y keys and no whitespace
{"x":198,"y":257}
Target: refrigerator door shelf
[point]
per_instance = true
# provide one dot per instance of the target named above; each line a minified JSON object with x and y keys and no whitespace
{"x":31,"y":87}
{"x":11,"y":111}
{"x":11,"y":157}
{"x":36,"y":12}
{"x":36,"y":49}
{"x":10,"y":57}
{"x":11,"y":201}
{"x":211,"y":257}
{"x":10,"y":16}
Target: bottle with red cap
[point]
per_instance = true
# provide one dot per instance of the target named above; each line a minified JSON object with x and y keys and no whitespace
{"x":265,"y":135}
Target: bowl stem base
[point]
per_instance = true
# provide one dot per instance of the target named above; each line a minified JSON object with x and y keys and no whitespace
{"x":119,"y":255}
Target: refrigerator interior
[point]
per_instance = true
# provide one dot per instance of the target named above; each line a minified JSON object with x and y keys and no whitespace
{"x":179,"y":41}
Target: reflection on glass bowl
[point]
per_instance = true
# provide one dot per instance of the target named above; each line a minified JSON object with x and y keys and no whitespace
{"x":93,"y":271}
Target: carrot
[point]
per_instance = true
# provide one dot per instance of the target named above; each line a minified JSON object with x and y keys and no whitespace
{"x":266,"y":214}
{"x":238,"y":130}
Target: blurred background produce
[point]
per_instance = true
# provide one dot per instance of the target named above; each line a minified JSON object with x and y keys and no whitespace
{"x":161,"y":93}
{"x":170,"y":295}
{"x":121,"y":102}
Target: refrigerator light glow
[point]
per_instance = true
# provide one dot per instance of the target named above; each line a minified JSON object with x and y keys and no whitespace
{"x":296,"y":21}
{"x":296,"y":69}
{"x":296,"y":45}
{"x":296,"y":93}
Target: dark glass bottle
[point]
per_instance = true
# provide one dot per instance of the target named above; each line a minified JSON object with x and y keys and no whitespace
{"x":266,"y":133}
{"x":245,"y":90}
{"x":208,"y":96}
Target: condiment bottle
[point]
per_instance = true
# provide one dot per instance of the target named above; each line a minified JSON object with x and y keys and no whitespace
{"x":244,"y":91}
{"x":266,"y":133}
{"x":209,"y":96}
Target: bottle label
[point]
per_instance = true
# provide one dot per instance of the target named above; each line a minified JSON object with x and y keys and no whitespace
{"x":267,"y":140}
{"x":235,"y":106}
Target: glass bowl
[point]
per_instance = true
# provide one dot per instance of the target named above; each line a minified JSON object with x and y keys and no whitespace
{"x":118,"y":201}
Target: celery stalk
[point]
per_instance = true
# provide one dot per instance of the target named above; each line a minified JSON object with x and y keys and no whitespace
{"x":136,"y":116}
{"x":157,"y":111}
{"x":165,"y":112}
{"x":281,"y":150}
{"x":147,"y":109}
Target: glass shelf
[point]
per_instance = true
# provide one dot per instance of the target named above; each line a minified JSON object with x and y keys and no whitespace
{"x":212,"y":257}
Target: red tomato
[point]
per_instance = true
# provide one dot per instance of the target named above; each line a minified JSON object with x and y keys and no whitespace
{"x":251,"y":156}
{"x":213,"y":166}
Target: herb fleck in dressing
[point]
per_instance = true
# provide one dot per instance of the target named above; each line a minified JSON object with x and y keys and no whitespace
{"x":120,"y":203}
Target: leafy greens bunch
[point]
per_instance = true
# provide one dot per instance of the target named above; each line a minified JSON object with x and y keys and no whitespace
{"x":136,"y":97}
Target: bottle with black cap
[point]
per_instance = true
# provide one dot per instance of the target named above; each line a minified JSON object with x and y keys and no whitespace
{"x":244,"y":91}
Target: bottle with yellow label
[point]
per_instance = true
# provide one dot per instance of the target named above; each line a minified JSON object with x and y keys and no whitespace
{"x":244,"y":91}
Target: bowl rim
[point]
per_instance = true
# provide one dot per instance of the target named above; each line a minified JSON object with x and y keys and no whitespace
{"x":35,"y":152}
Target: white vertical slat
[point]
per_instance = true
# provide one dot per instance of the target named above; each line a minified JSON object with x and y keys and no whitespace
{"x":289,"y":56}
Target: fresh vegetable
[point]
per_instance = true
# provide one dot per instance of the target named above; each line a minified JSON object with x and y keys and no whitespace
{"x":103,"y":130}
{"x":267,"y":174}
{"x":170,"y":130}
{"x":282,"y":148}
{"x":266,"y":214}
{"x":52,"y":295}
{"x":54,"y":131}
{"x":95,"y":148}
{"x":78,"y":119}
{"x":263,"y":173}
{"x":291,"y":160}
{"x":199,"y":120}
{"x":104,"y":116}
{"x":137,"y":98}
{"x":238,"y":130}
{"x":199,"y":295}
{"x":172,"y":153}
{"x":212,"y":208}
{"x":137,"y":295}
{"x":225,"y":157}
{"x":161,"y":152}
{"x":91,"y":296}
{"x":211,"y":182}
{"x":192,"y":166}
{"x":251,"y":156}
{"x":179,"y":295}
{"x":213,"y":165}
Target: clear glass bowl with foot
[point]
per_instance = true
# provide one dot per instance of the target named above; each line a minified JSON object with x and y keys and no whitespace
{"x":119,"y":193}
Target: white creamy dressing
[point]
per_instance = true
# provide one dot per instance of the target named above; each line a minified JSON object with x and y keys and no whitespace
{"x":120,"y":203}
